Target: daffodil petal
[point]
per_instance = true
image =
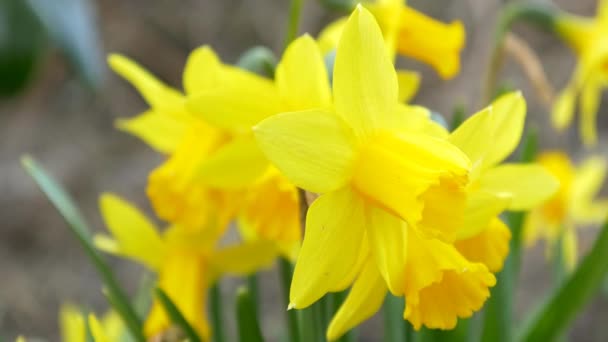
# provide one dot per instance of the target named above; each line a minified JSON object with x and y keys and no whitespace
{"x":160,"y":131}
{"x":313,"y":149}
{"x":563,"y":109}
{"x":97,"y":331}
{"x":481,"y":207}
{"x":334,"y":219}
{"x":441,"y":285}
{"x":473,"y":136}
{"x":363,"y":301}
{"x":245,"y":258}
{"x":330,"y":36}
{"x":71,"y":324}
{"x":591,"y":95}
{"x":235,"y":165}
{"x":301,"y":76}
{"x":490,"y":246}
{"x":528,"y":185}
{"x":508,"y":118}
{"x":409,"y":82}
{"x":184,"y":278}
{"x":157,"y":94}
{"x":388,"y":239}
{"x":135,"y":234}
{"x":201,"y":70}
{"x":569,"y":248}
{"x":364,"y":81}
{"x":587,"y":183}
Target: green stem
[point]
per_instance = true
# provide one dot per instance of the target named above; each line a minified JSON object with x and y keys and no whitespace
{"x":392,"y":310}
{"x":216,"y":313}
{"x":539,"y":14}
{"x":337,"y":300}
{"x":295,"y":9}
{"x":247,"y":317}
{"x":176,"y":316}
{"x":292,"y":318}
{"x":252,"y":286}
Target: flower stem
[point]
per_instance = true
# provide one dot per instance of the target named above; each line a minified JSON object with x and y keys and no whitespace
{"x":216,"y":313}
{"x":252,"y":287}
{"x":295,"y":10}
{"x":292,"y":318}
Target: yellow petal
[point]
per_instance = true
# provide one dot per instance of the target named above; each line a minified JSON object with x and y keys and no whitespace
{"x":245,"y":258}
{"x":569,"y":248}
{"x":157,"y":94}
{"x":382,"y":162}
{"x":388,"y":241}
{"x":20,"y":339}
{"x":481,"y":208}
{"x":330,"y":35}
{"x":234,"y":165}
{"x":409,"y":82}
{"x":527,"y":185}
{"x":441,"y":285}
{"x":97,"y":331}
{"x":184,"y":278}
{"x":430,"y":41}
{"x":473,"y":136}
{"x":112,"y":325}
{"x":136,"y":236}
{"x":301,"y":76}
{"x":508,"y":118}
{"x":201,"y":70}
{"x":335,"y":225}
{"x":363,"y":301}
{"x":71,"y":324}
{"x":161,"y":131}
{"x":490,"y":247}
{"x":563,"y":109}
{"x":313,"y":149}
{"x":364,"y":81}
{"x":237,"y":105}
{"x":587,"y":183}
{"x":591,"y":95}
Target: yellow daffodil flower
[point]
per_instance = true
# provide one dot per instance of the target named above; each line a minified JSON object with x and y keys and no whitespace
{"x":589,"y":39}
{"x":356,"y":157}
{"x":410,"y":33}
{"x":215,"y":169}
{"x":187,"y":262}
{"x":481,"y":240}
{"x":73,"y":326}
{"x":574,"y":204}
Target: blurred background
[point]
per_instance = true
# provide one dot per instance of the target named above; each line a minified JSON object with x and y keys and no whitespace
{"x":59,"y":102}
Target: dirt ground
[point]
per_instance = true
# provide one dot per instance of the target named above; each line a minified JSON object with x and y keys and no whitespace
{"x":71,"y":132}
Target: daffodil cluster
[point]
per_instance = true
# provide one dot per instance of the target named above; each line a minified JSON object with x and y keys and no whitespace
{"x":404,"y":207}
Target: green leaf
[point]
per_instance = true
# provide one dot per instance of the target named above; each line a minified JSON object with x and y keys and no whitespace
{"x":22,"y":41}
{"x":247,"y":318}
{"x":216,"y":313}
{"x":176,"y":316}
{"x":66,"y":207}
{"x":564,"y":304}
{"x":286,"y":273}
{"x":71,"y":25}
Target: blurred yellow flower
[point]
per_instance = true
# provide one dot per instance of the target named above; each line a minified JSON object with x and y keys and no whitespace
{"x":409,"y":33}
{"x":187,"y":262}
{"x":214,"y":171}
{"x":574,"y":204}
{"x":73,"y":326}
{"x":588,"y":37}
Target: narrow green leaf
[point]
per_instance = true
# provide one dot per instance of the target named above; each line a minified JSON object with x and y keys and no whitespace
{"x":66,"y":207}
{"x":285,"y":273}
{"x":564,"y":304}
{"x":247,"y":318}
{"x":71,"y":25}
{"x":176,"y":316}
{"x":458,"y":117}
{"x":216,"y":314}
{"x":310,"y":323}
